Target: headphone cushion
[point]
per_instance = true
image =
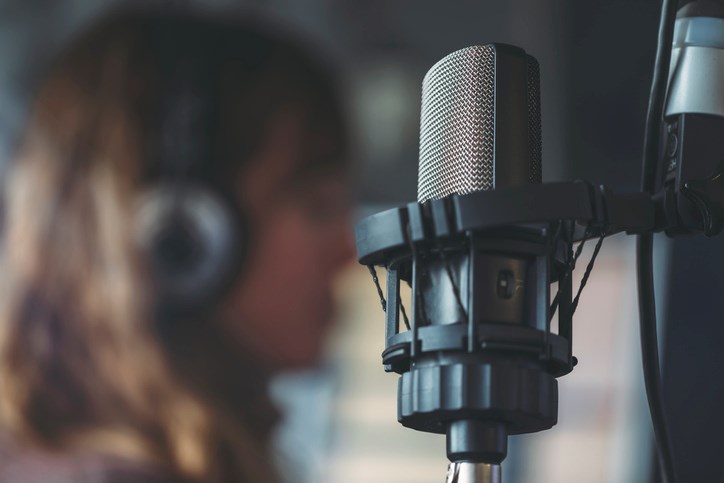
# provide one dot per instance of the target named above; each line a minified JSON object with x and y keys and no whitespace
{"x":194,"y":241}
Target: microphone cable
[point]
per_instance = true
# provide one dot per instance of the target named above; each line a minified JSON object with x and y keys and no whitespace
{"x":644,"y":243}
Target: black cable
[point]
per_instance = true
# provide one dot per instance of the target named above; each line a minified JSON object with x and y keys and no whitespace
{"x":448,"y":269}
{"x":383,"y":302}
{"x":405,"y":319}
{"x":587,"y":274}
{"x":569,"y":272}
{"x":417,"y":294}
{"x":376,"y":280}
{"x":644,"y":244}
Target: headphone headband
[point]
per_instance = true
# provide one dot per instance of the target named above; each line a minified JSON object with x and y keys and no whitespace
{"x":191,"y":230}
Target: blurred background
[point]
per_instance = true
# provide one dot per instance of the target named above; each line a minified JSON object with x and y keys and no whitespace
{"x":596,"y":60}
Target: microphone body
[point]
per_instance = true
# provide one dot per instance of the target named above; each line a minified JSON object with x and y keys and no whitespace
{"x":480,"y":129}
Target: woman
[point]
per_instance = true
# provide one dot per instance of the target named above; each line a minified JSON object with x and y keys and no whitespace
{"x":102,"y":376}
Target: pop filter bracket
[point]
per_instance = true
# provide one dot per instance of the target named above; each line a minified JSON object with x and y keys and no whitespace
{"x":480,"y":359}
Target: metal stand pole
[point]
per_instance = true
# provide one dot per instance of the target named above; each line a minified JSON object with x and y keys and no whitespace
{"x":468,"y":472}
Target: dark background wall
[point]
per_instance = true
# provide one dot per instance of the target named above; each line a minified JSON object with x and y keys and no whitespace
{"x":595,"y":61}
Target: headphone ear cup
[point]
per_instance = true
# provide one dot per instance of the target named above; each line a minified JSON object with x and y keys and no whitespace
{"x":194,"y":241}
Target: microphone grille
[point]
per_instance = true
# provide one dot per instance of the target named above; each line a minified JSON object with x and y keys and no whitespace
{"x":535,"y":136}
{"x":457,"y":124}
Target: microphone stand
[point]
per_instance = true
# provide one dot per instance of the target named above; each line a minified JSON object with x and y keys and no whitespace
{"x":469,"y":472}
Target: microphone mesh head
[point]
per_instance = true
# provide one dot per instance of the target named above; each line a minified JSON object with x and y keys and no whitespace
{"x":457,"y":124}
{"x":535,"y":136}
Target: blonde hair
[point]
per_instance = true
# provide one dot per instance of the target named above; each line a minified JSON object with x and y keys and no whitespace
{"x":81,"y":366}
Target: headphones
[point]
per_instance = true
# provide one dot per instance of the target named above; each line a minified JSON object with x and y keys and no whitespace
{"x":190,"y":225}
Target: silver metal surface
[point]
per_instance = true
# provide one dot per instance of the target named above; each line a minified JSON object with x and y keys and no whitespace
{"x":457,"y":124}
{"x":467,"y":472}
{"x":697,"y":67}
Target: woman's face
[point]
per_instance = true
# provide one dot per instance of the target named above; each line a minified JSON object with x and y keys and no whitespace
{"x":282,"y":307}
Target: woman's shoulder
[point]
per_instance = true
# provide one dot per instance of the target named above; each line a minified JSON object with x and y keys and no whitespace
{"x":20,"y":464}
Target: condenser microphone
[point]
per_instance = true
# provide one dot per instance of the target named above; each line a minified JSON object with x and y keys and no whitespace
{"x":480,"y":129}
{"x":479,"y":360}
